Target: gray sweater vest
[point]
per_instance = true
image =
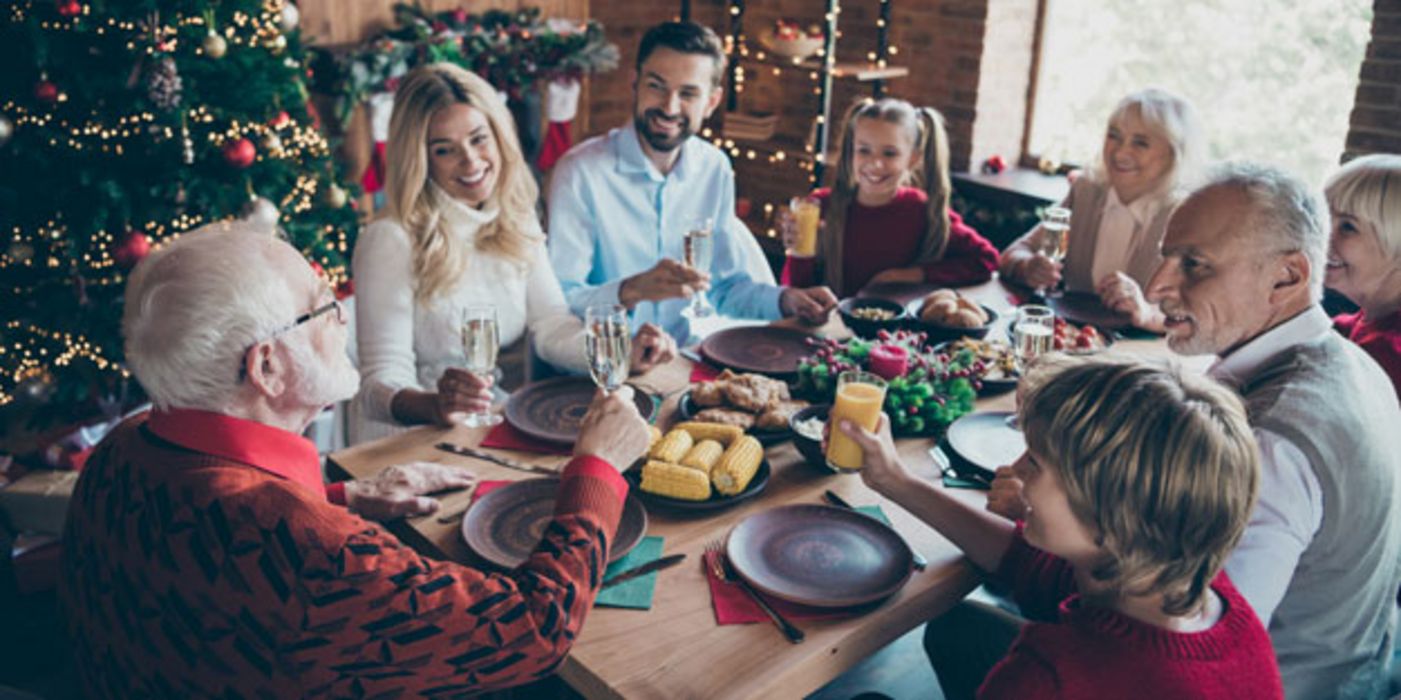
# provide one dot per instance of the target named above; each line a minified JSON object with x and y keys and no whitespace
{"x":1333,"y":630}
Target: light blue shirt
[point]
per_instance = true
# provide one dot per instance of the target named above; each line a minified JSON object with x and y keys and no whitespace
{"x":613,"y":215}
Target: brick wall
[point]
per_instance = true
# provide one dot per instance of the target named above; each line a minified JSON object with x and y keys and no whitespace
{"x":1376,"y":112}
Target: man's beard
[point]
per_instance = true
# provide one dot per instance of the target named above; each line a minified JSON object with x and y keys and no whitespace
{"x":661,"y":142}
{"x":320,"y":383}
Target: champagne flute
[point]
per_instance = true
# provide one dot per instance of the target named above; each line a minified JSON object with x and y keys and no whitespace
{"x":608,"y":342}
{"x":480,"y":343}
{"x":699,"y":251}
{"x":1055,"y":240}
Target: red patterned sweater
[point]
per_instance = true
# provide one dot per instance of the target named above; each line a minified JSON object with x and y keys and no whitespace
{"x":1074,"y":650}
{"x":202,"y":558}
{"x":1381,"y":339}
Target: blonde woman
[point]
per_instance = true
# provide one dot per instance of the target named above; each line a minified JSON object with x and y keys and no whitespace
{"x":1364,"y":255}
{"x":1139,"y":481}
{"x":459,"y":230}
{"x":1153,"y":146}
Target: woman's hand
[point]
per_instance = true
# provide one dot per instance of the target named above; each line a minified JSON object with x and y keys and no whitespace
{"x":461,"y":391}
{"x":1039,"y":272}
{"x":1005,"y":498}
{"x":895,"y":275}
{"x":1121,"y":293}
{"x":650,"y":347}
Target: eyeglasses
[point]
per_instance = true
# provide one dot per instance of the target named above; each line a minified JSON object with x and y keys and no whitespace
{"x":334,"y":305}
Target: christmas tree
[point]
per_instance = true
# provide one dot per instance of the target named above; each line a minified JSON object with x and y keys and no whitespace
{"x":122,"y":124}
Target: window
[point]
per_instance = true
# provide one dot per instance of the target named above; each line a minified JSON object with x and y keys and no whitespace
{"x":1272,"y":81}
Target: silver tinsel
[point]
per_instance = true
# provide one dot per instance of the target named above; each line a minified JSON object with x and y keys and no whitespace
{"x":163,"y":84}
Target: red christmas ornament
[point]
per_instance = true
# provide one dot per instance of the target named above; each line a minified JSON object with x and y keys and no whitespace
{"x":280,"y":120}
{"x":69,"y":8}
{"x":459,"y":16}
{"x":131,"y":249}
{"x":240,"y":153}
{"x":46,"y":91}
{"x":317,"y":268}
{"x":345,"y":289}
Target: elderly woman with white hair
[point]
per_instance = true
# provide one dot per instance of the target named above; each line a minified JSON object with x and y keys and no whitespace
{"x":1364,"y":256}
{"x":460,"y":231}
{"x":1153,"y":146}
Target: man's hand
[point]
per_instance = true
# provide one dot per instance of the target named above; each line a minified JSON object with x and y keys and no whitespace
{"x":612,"y":430}
{"x":398,"y":491}
{"x":1039,"y":272}
{"x":1005,"y":498}
{"x":813,"y":304}
{"x":898,"y":275}
{"x":460,"y":391}
{"x":668,"y":279}
{"x":1121,"y":293}
{"x":650,"y":347}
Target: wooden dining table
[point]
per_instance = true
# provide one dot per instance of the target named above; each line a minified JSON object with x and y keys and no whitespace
{"x":676,"y":649}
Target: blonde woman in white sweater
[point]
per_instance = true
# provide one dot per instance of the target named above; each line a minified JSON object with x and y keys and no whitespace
{"x":460,"y":230}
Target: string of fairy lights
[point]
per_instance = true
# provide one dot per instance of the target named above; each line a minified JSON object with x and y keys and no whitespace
{"x":812,"y":160}
{"x":34,"y":350}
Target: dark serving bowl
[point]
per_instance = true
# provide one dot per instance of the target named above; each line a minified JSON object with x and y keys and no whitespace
{"x":938,"y":332}
{"x":810,"y":449}
{"x":867,"y":328}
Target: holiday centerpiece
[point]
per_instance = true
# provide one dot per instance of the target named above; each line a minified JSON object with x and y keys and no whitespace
{"x":926,"y":390}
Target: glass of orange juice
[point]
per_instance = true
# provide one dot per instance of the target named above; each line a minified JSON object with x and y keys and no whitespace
{"x":807,"y":212}
{"x":860,"y":396}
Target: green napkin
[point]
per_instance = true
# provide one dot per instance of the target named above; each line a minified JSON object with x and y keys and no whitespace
{"x":953,"y":482}
{"x":637,"y":593}
{"x":874,"y":512}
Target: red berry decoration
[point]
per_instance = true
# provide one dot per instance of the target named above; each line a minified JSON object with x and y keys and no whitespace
{"x":240,"y":153}
{"x":46,"y":91}
{"x":318,"y":269}
{"x":131,"y":249}
{"x":70,"y":8}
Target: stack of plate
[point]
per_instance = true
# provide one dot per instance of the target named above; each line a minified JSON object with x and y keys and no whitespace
{"x":750,"y":127}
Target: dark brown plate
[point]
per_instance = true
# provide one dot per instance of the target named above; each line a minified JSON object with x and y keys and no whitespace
{"x":506,"y":525}
{"x":551,"y":410}
{"x":1082,"y":308}
{"x":986,"y":439}
{"x":686,"y":409}
{"x":716,"y":501}
{"x":938,"y":332}
{"x":820,"y":555}
{"x":771,"y":350}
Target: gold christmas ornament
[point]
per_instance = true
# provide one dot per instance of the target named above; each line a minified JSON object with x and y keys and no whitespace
{"x":214,"y":46}
{"x":291,"y":18}
{"x":335,"y":196}
{"x":277,"y":44}
{"x":272,"y":143}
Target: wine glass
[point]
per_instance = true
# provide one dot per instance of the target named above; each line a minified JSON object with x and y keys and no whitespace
{"x":699,"y":251}
{"x":480,"y":342}
{"x":1055,"y":241}
{"x":1033,"y":334}
{"x":608,"y":342}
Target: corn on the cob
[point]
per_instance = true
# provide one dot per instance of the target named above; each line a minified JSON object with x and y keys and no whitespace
{"x":675,"y":481}
{"x":723,"y":434}
{"x":737,"y":466}
{"x":673,"y":446}
{"x":656,"y":434}
{"x":703,"y":456}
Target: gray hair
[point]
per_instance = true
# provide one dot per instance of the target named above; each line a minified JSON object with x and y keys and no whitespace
{"x":1286,"y":215}
{"x":1175,"y":119}
{"x":195,"y":306}
{"x":1369,"y":188}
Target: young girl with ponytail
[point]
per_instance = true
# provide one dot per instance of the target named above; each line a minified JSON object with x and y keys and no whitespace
{"x":877,"y":227}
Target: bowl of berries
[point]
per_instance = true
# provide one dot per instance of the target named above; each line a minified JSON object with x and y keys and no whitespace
{"x":925,"y":390}
{"x":786,"y":38}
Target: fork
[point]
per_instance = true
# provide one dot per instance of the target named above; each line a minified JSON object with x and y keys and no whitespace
{"x":720,"y":566}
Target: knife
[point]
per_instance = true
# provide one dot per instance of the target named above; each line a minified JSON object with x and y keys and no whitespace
{"x":649,"y":567}
{"x":919,"y":561}
{"x":506,"y":462}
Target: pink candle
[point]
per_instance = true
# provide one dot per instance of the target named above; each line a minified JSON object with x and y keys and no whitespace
{"x":889,"y":361}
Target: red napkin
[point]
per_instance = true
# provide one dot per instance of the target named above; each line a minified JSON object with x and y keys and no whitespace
{"x":487,"y":486}
{"x":734,"y":607}
{"x":506,"y":437}
{"x":702,"y":372}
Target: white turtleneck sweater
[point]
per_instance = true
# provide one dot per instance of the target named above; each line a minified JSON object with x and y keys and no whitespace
{"x":406,"y":344}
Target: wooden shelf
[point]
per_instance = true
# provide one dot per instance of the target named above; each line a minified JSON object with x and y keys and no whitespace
{"x":861,"y":72}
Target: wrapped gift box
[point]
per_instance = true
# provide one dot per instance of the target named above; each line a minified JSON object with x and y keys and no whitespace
{"x":38,"y":501}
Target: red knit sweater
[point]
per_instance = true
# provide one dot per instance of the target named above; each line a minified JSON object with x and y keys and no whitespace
{"x":201,"y":558}
{"x":1086,"y":651}
{"x":885,"y":237}
{"x":1381,"y":340}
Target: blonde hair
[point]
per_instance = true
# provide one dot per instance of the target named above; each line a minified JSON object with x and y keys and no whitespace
{"x":1162,"y":465}
{"x":926,"y":129}
{"x":1173,"y":118}
{"x":1369,"y":188}
{"x":439,"y":258}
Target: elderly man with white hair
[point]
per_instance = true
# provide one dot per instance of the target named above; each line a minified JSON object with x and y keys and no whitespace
{"x":205,"y":556}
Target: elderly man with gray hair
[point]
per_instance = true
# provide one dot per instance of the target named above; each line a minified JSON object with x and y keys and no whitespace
{"x":1242,"y":278}
{"x":204,"y":555}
